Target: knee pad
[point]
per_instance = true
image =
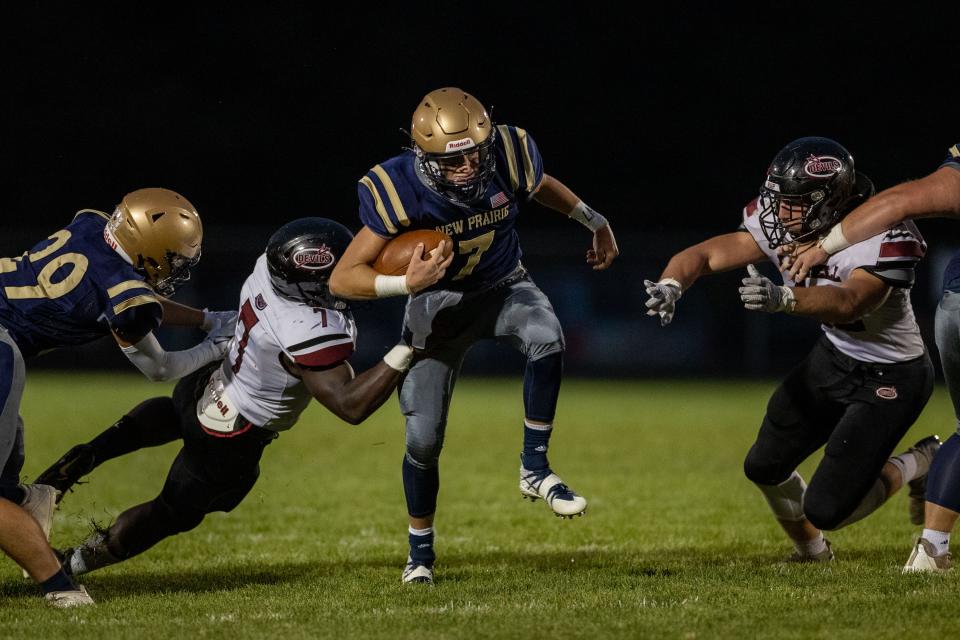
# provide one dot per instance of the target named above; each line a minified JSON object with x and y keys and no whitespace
{"x":786,"y":499}
{"x":761,"y":471}
{"x":424,"y":442}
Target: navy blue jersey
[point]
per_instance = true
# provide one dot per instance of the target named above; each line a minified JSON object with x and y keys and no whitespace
{"x":394,"y":200}
{"x":72,"y":288}
{"x":951,"y":275}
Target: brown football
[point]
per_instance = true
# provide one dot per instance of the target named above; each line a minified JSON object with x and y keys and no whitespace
{"x":396,"y":254}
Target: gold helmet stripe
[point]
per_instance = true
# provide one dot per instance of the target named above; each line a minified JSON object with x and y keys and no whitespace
{"x":955,"y":151}
{"x":105,"y":216}
{"x":378,"y":203}
{"x":135,"y":301}
{"x":393,"y":195}
{"x":126,"y":285}
{"x":528,"y":173}
{"x":511,"y":157}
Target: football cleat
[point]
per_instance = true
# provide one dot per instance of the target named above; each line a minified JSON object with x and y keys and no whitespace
{"x":40,"y":502}
{"x":416,"y":573}
{"x":923,"y":452}
{"x":66,"y":599}
{"x":548,"y":485}
{"x":923,"y":559}
{"x":824,"y":556}
{"x":65,"y":472}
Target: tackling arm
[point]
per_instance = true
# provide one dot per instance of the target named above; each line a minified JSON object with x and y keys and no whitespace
{"x":936,"y":195}
{"x":353,"y":398}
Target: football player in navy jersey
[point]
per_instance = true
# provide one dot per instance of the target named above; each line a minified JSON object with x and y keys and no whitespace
{"x":100,"y":275}
{"x":469,"y":178}
{"x":937,"y":194}
{"x":867,"y":378}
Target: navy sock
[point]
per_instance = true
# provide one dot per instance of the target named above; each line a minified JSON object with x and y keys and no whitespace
{"x":59,"y":581}
{"x":535,"y":443}
{"x":541,"y":387}
{"x":420,"y":486}
{"x":13,"y":492}
{"x":943,"y":481}
{"x":421,"y":546}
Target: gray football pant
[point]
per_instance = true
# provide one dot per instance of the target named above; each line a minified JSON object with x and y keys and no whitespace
{"x":12,"y":378}
{"x":948,"y":343}
{"x":446,"y":324}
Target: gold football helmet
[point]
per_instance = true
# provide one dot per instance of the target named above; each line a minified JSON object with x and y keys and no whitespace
{"x":453,"y":138}
{"x":160,"y":232}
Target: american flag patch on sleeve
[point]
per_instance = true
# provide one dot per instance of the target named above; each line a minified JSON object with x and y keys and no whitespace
{"x":499,"y":200}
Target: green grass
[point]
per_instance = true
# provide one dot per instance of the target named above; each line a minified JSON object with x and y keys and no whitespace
{"x":676,"y":543}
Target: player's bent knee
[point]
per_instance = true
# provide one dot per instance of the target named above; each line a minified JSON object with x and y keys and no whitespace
{"x":823,"y":513}
{"x":761,"y":470}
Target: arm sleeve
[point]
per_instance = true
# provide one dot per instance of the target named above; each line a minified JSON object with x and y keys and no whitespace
{"x":159,"y":365}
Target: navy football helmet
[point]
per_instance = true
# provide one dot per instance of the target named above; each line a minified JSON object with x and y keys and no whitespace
{"x":300,"y":256}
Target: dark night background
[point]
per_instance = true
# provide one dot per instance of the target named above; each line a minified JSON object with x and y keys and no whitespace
{"x":664,"y":119}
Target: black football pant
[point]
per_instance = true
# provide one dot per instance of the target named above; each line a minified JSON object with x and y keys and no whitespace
{"x":209,"y":474}
{"x":859,"y":410}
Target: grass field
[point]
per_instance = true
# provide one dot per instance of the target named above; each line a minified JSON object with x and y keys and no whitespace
{"x":676,"y":542}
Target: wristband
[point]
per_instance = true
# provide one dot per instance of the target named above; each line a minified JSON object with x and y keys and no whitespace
{"x":588,"y":217}
{"x":834,"y":241}
{"x":386,"y":286}
{"x":399,"y":357}
{"x":788,"y":301}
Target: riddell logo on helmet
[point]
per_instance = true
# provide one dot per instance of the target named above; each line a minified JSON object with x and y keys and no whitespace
{"x":821,"y":166}
{"x":464,"y":143}
{"x":314,"y":258}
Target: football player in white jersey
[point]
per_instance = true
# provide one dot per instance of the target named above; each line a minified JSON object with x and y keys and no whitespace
{"x":937,"y":194}
{"x":865,"y":381}
{"x":291,"y":344}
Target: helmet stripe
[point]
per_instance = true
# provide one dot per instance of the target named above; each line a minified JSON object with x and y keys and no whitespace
{"x":393,"y":195}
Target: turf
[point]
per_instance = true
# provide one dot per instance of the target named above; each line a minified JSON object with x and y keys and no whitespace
{"x":676,"y":543}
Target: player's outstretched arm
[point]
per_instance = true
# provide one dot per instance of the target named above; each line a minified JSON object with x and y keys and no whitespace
{"x":353,"y":398}
{"x":936,"y":195}
{"x":354,"y":278}
{"x":718,"y":254}
{"x":557,"y":196}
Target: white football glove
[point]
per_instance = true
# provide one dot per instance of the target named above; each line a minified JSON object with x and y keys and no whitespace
{"x":663,"y":298}
{"x":219,"y":325}
{"x":759,"y":293}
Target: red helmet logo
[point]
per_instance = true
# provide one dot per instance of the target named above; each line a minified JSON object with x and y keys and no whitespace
{"x":821,"y":166}
{"x":314,"y":258}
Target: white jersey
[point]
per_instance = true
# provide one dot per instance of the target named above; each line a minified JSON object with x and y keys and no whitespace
{"x":889,"y":333}
{"x":269,"y":328}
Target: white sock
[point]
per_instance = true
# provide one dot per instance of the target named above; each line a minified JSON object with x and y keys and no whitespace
{"x":420,"y":532}
{"x":939,"y":539}
{"x":811,"y":548}
{"x":906,"y":463}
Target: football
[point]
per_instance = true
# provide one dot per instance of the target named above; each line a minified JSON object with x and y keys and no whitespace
{"x":395,"y":256}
